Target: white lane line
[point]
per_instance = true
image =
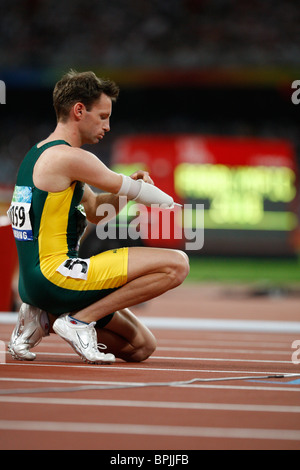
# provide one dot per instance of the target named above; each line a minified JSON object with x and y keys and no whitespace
{"x":152,"y":430}
{"x":55,"y":342}
{"x":226,"y":350}
{"x":212,"y":324}
{"x":270,"y":388}
{"x":103,"y":367}
{"x":59,"y":381}
{"x":138,"y":369}
{"x":202,"y":324}
{"x":151,"y":404}
{"x":257,"y":342}
{"x":219,"y":359}
{"x":181,"y":358}
{"x":125,"y":367}
{"x":212,"y":350}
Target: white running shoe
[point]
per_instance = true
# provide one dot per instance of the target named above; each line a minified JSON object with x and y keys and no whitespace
{"x":31,"y":327}
{"x":83,"y":339}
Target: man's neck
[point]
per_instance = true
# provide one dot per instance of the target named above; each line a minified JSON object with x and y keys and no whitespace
{"x":65,"y":132}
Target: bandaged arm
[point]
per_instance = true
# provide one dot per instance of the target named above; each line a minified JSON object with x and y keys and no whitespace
{"x":144,"y":193}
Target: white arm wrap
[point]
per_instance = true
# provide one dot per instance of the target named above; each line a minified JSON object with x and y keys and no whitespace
{"x":144,"y":193}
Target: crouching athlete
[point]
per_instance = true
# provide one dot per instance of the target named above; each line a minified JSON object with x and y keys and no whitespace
{"x":85,"y":301}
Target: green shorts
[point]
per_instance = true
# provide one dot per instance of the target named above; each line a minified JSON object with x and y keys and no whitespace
{"x":104,"y":321}
{"x":67,"y":288}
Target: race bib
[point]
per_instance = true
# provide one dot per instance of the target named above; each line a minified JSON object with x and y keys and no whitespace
{"x":76,"y":268}
{"x":18,"y":213}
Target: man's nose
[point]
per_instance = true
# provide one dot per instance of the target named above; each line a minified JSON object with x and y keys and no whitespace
{"x":106,"y":126}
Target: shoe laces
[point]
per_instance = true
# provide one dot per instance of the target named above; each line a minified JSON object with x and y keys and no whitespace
{"x":97,"y":346}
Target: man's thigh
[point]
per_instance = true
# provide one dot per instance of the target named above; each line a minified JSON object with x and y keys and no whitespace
{"x":145,"y":260}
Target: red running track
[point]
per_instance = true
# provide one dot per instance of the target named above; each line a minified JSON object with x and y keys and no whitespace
{"x":43,"y":404}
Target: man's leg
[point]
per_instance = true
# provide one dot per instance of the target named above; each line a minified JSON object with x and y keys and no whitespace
{"x":151,"y":272}
{"x":127,"y":338}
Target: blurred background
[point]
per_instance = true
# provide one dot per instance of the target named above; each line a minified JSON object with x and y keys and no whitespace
{"x":206,"y":96}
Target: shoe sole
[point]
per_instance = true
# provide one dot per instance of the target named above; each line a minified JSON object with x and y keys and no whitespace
{"x":17,"y":357}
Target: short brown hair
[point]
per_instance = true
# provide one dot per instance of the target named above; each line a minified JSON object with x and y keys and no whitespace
{"x":83,"y":87}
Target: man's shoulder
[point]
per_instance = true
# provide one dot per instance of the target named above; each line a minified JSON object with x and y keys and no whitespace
{"x":66,"y":151}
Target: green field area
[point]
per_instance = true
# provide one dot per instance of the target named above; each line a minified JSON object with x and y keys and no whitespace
{"x":281,"y":271}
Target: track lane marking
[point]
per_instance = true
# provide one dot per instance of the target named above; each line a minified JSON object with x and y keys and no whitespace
{"x":287,"y":351}
{"x":151,"y":404}
{"x":151,"y":430}
{"x":178,"y":358}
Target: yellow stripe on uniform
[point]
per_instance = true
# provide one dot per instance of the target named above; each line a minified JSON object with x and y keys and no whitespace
{"x":106,"y":270}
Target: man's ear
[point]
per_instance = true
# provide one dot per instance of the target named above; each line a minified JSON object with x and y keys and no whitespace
{"x":78,"y":110}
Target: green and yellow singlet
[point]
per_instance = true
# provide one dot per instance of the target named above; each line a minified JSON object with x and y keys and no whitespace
{"x":47,"y":227}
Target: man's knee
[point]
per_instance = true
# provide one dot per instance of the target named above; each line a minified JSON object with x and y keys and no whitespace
{"x":144,"y":347}
{"x":180,"y":267}
{"x":143,"y":350}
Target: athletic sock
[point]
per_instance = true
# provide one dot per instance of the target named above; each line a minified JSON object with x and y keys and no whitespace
{"x":75,"y":321}
{"x":44,"y":322}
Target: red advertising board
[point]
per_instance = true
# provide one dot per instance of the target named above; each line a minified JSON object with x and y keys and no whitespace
{"x":248,"y":186}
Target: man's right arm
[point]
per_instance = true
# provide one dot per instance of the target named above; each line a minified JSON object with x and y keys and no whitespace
{"x":58,"y":167}
{"x":84,"y":166}
{"x":61,"y":168}
{"x":91,"y":170}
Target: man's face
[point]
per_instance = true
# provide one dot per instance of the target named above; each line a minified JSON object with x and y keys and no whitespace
{"x":95,"y":122}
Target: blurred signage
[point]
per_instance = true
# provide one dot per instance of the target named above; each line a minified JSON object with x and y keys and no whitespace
{"x":248,"y":186}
